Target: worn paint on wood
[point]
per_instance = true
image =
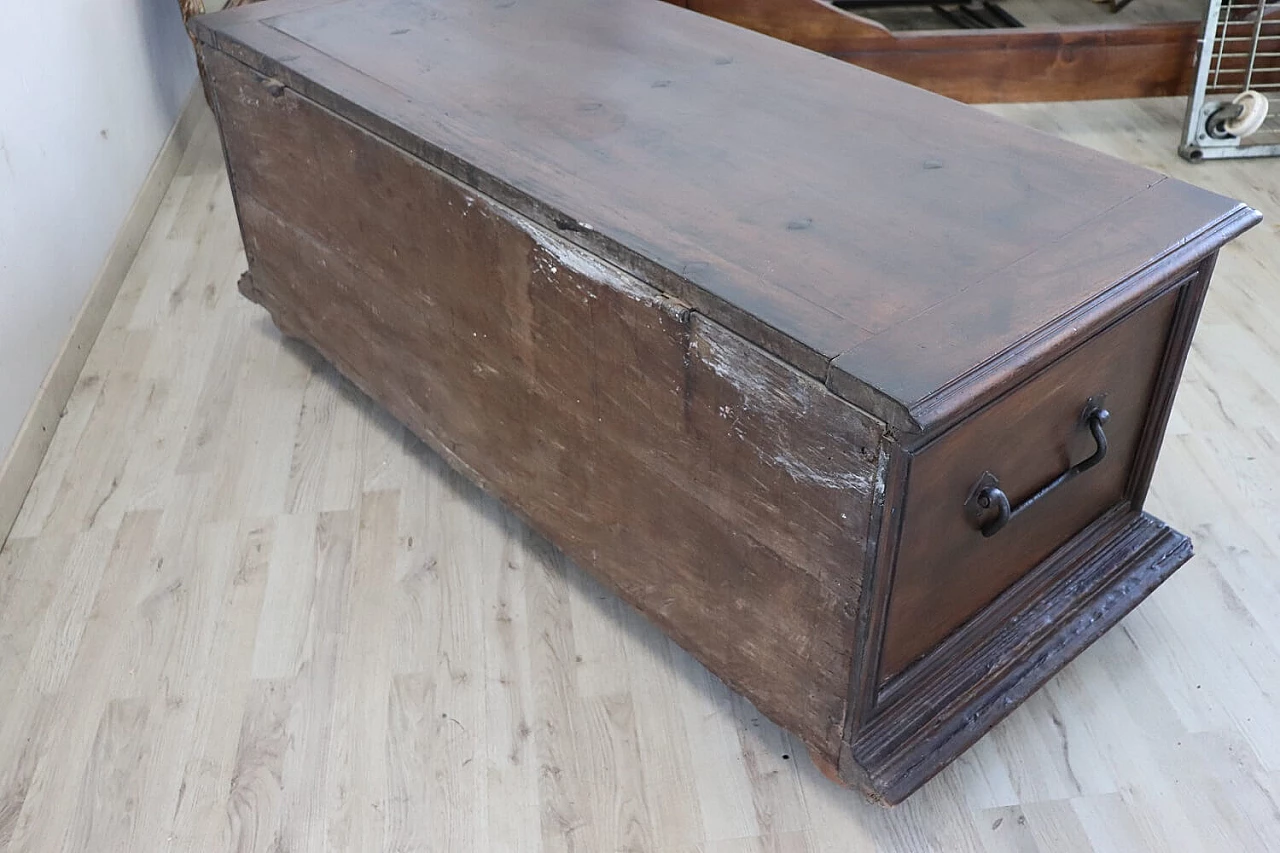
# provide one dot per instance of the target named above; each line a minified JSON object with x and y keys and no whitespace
{"x":720,"y":490}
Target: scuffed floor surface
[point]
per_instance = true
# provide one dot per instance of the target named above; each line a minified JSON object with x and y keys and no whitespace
{"x":243,"y":610}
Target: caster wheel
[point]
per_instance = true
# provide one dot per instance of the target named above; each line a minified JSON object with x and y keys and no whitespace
{"x":1253,"y":113}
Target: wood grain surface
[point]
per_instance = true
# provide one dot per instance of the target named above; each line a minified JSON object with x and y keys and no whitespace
{"x":719,"y":165}
{"x":243,"y":609}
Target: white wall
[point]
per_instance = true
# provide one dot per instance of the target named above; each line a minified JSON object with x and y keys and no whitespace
{"x":89,"y":89}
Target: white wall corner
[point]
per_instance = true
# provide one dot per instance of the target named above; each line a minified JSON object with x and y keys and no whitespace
{"x":25,"y":454}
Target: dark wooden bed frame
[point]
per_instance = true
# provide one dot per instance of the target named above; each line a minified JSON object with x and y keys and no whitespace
{"x":1065,"y":63}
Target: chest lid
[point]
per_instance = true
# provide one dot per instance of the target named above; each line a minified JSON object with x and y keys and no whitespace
{"x":887,"y":241}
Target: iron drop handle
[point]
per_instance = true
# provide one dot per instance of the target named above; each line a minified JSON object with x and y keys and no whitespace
{"x":987,"y":492}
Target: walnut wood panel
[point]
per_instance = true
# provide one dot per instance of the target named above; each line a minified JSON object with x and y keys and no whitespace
{"x":946,"y":570}
{"x":717,"y":489}
{"x":629,"y":126}
{"x":903,"y":731}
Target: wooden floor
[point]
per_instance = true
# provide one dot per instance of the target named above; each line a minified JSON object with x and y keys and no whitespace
{"x":242,"y":610}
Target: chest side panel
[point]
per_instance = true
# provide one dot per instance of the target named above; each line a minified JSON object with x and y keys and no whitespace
{"x":946,"y":569}
{"x":720,"y":491}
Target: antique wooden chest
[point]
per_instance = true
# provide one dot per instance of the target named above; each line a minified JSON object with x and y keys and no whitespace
{"x":853,"y":390}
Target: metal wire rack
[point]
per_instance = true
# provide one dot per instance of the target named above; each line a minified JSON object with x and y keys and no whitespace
{"x":1229,"y":113}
